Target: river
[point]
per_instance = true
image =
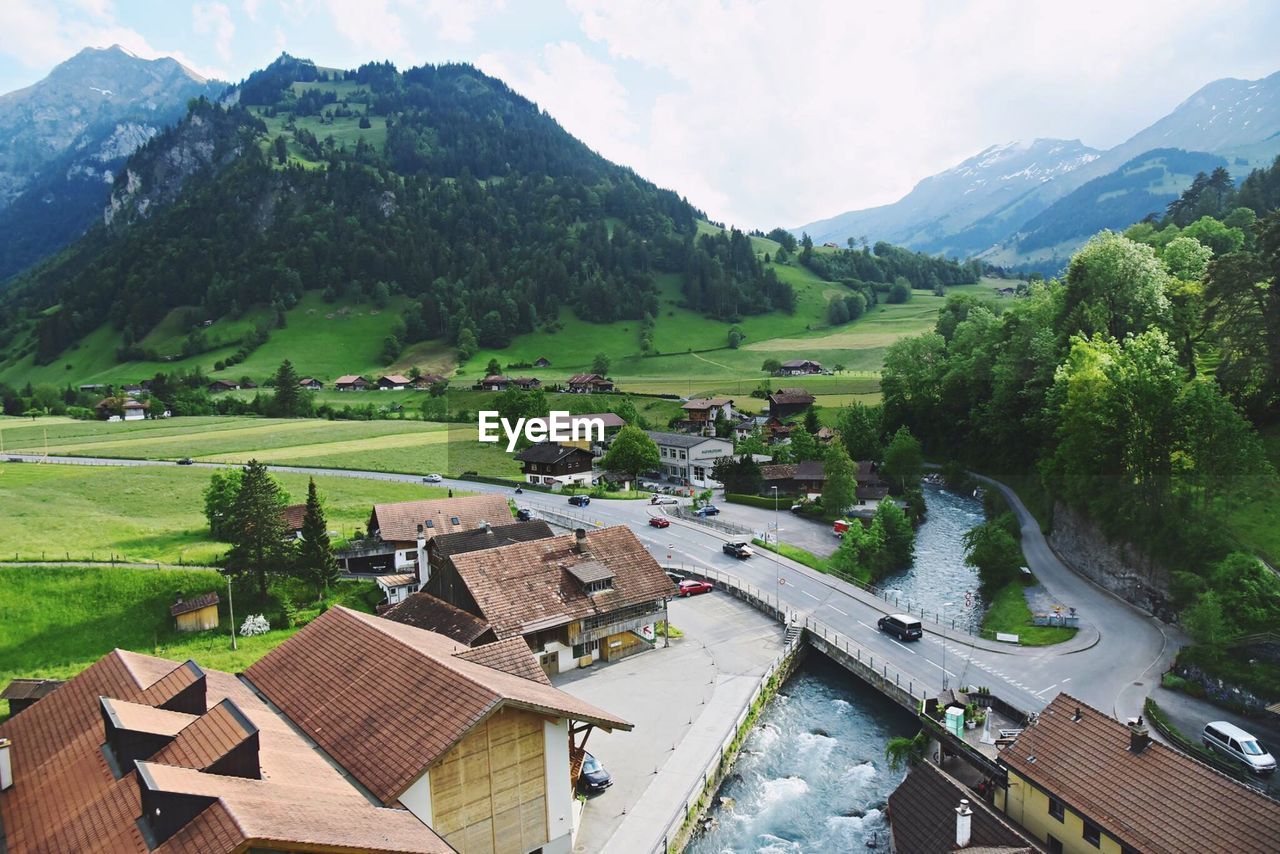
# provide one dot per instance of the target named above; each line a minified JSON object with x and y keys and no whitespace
{"x":812,"y":775}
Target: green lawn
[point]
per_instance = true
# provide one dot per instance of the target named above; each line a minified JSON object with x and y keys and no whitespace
{"x":1254,"y":523}
{"x":56,"y":622}
{"x":149,"y":513}
{"x":1008,"y":612}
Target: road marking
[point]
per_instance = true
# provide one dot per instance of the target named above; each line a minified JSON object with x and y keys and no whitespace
{"x":943,"y":669}
{"x":810,"y":595}
{"x":837,"y":610}
{"x":1050,"y":688}
{"x":891,"y":640}
{"x":1065,"y":681}
{"x":865,"y":626}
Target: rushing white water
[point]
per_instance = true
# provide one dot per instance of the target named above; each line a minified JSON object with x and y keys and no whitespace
{"x":812,"y":776}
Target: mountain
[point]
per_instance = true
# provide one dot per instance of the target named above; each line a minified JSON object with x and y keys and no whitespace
{"x":63,"y":139}
{"x":438,"y":188}
{"x":990,"y":206}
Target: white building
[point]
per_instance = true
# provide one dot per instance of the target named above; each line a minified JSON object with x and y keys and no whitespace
{"x":690,"y":459}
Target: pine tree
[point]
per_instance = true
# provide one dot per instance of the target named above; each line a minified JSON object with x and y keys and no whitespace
{"x":256,"y":528}
{"x":288,"y":401}
{"x":315,"y":555}
{"x":899,"y":536}
{"x":840,"y":487}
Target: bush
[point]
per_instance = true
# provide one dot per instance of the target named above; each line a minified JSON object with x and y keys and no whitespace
{"x":254,"y":625}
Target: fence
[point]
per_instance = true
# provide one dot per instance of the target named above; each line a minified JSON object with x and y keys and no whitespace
{"x":96,"y":559}
{"x":688,"y":515}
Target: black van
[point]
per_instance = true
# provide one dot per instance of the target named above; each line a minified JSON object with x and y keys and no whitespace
{"x":905,"y":627}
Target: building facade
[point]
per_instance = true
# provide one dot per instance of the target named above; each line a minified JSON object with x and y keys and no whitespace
{"x":689,"y":459}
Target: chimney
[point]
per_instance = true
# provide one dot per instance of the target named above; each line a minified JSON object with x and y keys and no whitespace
{"x":483,"y":525}
{"x":964,"y":816}
{"x":6,"y":768}
{"x":421,"y":571}
{"x":580,"y":541}
{"x":1139,"y":736}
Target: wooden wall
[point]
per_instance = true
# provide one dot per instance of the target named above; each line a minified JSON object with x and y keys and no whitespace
{"x":199,"y":621}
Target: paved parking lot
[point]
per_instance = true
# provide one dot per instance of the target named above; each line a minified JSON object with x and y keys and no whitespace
{"x":808,"y":534}
{"x":683,"y":701}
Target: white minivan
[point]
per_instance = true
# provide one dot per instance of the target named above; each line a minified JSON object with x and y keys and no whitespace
{"x":1234,"y":743}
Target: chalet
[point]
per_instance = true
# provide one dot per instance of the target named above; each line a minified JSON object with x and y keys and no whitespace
{"x":583,"y":425}
{"x":248,"y":384}
{"x":776,"y":430}
{"x":527,"y":383}
{"x":222,"y":385}
{"x":293,"y":515}
{"x":742,"y":427}
{"x":589,"y":383}
{"x":196,"y":614}
{"x":871,"y":489}
{"x":445,"y":546}
{"x":493,"y":382}
{"x":542,"y":362}
{"x":424,"y":611}
{"x":701,"y":414}
{"x":550,"y":463}
{"x":351,"y":383}
{"x":399,"y":587}
{"x":689,"y":459}
{"x":798,"y":367}
{"x":93,"y":387}
{"x":932,"y":812}
{"x":426,"y":381}
{"x":22,"y":693}
{"x":393,"y":382}
{"x":139,"y":754}
{"x":310,"y":383}
{"x":1078,"y":780}
{"x":574,"y":599}
{"x":132,"y":390}
{"x":804,"y":479}
{"x":786,"y":402}
{"x":133,"y":410}
{"x":398,"y":533}
{"x":825,"y":435}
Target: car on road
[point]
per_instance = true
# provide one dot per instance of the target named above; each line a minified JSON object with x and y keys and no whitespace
{"x":904,"y":626}
{"x":708,"y":510}
{"x":692,"y":587}
{"x":742,"y":551}
{"x":579,"y":500}
{"x":16,"y":460}
{"x":674,"y":576}
{"x":186,"y":461}
{"x":594,"y":778}
{"x":1237,"y":745}
{"x":659,"y":522}
{"x":524,"y":514}
{"x":663,"y":499}
{"x":433,"y":478}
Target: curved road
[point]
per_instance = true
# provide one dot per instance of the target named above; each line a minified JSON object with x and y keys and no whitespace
{"x":1112,"y":664}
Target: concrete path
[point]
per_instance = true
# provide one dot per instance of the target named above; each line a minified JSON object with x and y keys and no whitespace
{"x":1190,"y":714}
{"x":684,"y":701}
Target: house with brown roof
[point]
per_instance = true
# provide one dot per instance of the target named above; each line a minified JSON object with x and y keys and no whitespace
{"x":397,"y":533}
{"x":542,"y":362}
{"x":424,"y":611}
{"x":475,"y":743}
{"x":1081,"y":781}
{"x":585,"y":425}
{"x":293,"y":514}
{"x":798,"y":367}
{"x":932,"y":812}
{"x":428,"y":380}
{"x":393,"y":382}
{"x":21,"y":693}
{"x":589,"y":384}
{"x":197,"y":614}
{"x":310,"y":383}
{"x":552,"y":463}
{"x":139,"y":754}
{"x":786,"y":402}
{"x":222,"y":385}
{"x":527,"y":383}
{"x":493,"y":382}
{"x":575,"y":599}
{"x":445,"y":546}
{"x":351,"y":382}
{"x":701,"y":414}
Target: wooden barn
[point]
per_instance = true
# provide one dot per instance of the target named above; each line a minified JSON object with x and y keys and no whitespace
{"x":196,"y":614}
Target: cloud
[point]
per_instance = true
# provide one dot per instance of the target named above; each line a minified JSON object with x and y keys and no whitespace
{"x":371,"y":25}
{"x":215,"y":19}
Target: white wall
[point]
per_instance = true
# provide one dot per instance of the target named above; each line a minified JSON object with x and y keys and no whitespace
{"x":559,"y":795}
{"x":417,"y":799}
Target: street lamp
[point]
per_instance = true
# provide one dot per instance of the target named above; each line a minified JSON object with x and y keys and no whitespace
{"x":944,"y":650}
{"x":777,"y":548}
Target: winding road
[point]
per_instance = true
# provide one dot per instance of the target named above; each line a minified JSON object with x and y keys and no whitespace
{"x":1112,"y":663}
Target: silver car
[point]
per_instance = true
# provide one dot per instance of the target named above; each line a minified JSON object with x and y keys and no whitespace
{"x":1234,"y":743}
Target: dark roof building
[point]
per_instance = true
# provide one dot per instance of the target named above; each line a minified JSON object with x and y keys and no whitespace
{"x":926,"y":817}
{"x":21,"y":693}
{"x":786,"y":402}
{"x":445,"y":546}
{"x":550,"y":463}
{"x":424,"y":611}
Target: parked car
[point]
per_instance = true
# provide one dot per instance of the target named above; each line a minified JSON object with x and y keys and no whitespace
{"x":579,"y":500}
{"x":739,"y":550}
{"x":692,"y":587}
{"x":707,"y":510}
{"x":674,"y":576}
{"x":904,"y":626}
{"x":594,"y":779}
{"x":432,"y":478}
{"x":659,"y":522}
{"x":839,"y":527}
{"x":524,"y":514}
{"x":663,"y":499}
{"x":186,"y":461}
{"x":1236,"y":744}
{"x":16,"y":460}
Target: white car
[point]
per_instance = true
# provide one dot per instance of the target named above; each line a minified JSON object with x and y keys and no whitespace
{"x":433,"y":478}
{"x":663,"y":499}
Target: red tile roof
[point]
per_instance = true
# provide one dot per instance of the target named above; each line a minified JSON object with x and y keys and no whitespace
{"x":387,"y":700}
{"x":526,"y":584}
{"x":398,"y":523}
{"x":424,"y":611}
{"x":1158,"y":800}
{"x":510,"y":656}
{"x":195,"y":603}
{"x":293,"y":515}
{"x":922,"y":816}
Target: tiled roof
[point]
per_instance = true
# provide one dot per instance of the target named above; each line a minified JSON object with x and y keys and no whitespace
{"x":800,"y":363}
{"x":610,"y":419}
{"x":195,"y":603}
{"x":403,"y":579}
{"x":527,"y":584}
{"x":1158,"y":800}
{"x":28,"y":689}
{"x":706,"y":402}
{"x":811,"y":470}
{"x":387,"y":700}
{"x":778,"y":471}
{"x":348,"y":379}
{"x":395,"y":379}
{"x":548,"y":452}
{"x":791,"y":395}
{"x":66,"y":797}
{"x":398,"y":523}
{"x":293,"y":515}
{"x":922,"y":816}
{"x":510,"y":656}
{"x":495,"y":378}
{"x":586,"y":379}
{"x":681,"y":440}
{"x":492,"y":537}
{"x":424,"y":611}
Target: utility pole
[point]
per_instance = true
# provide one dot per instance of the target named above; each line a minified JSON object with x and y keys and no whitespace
{"x":777,"y":548}
{"x":231,"y":609}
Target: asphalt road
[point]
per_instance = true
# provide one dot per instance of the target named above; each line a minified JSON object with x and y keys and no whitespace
{"x":1112,"y":664}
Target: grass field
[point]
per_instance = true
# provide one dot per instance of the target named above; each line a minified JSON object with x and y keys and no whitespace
{"x":149,"y":513}
{"x":1008,"y":612}
{"x":56,"y":622}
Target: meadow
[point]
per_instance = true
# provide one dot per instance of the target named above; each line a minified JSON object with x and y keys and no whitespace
{"x":144,"y":514}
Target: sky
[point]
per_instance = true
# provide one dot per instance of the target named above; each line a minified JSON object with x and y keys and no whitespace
{"x":762,"y":113}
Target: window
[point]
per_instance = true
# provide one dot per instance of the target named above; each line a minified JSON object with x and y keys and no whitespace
{"x":582,"y":650}
{"x":431,"y":523}
{"x":453,"y":520}
{"x":1092,"y":834}
{"x":1055,"y":808}
{"x":699,"y":473}
{"x":682,"y":455}
{"x":1055,"y":846}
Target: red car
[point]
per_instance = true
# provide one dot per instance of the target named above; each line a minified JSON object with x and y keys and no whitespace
{"x":692,"y":587}
{"x":659,"y":522}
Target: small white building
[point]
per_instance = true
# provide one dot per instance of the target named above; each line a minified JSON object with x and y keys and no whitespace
{"x":134,"y":410}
